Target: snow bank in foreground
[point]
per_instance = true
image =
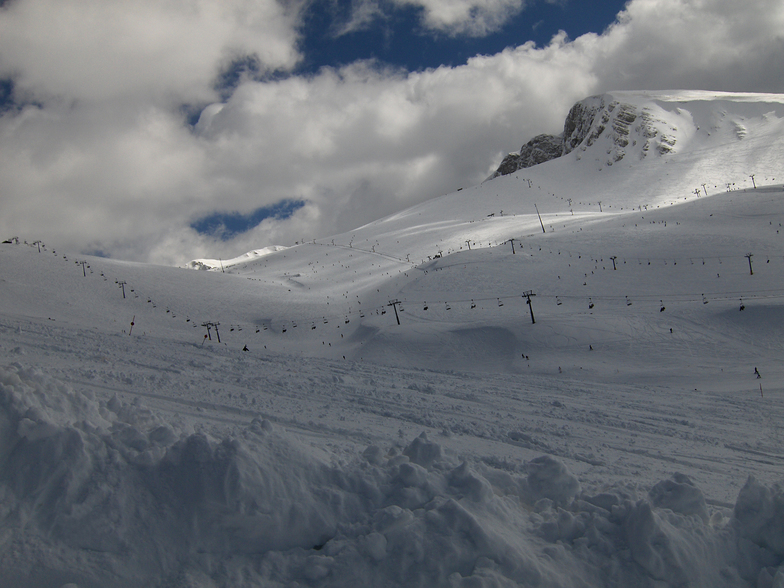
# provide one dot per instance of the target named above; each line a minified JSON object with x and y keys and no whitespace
{"x":98,"y":493}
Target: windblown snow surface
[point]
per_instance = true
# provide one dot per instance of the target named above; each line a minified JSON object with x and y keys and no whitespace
{"x":622,"y":439}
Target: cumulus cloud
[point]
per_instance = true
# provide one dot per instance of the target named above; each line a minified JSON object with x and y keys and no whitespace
{"x":103,"y":156}
{"x":475,"y":18}
{"x":361,"y":15}
{"x":697,"y":44}
{"x":167,"y":49}
{"x":472,"y":18}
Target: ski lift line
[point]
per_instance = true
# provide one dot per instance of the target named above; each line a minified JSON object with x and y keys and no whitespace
{"x":693,"y":299}
{"x":595,"y":257}
{"x":672,"y":298}
{"x":407,"y":301}
{"x":745,"y":296}
{"x":748,"y":295}
{"x":715,"y":295}
{"x":378,"y":310}
{"x":558,"y":250}
{"x":763,"y":295}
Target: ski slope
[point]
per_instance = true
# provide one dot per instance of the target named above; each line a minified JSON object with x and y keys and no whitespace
{"x":612,"y":433}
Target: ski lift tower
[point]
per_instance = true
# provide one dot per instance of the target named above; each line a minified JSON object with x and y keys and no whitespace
{"x":527,"y":295}
{"x":393,"y":304}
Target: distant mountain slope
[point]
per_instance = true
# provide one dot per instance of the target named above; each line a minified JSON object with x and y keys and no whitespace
{"x":222,"y":264}
{"x":553,"y":229}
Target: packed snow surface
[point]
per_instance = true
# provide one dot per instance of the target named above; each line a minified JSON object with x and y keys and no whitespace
{"x":566,"y":376}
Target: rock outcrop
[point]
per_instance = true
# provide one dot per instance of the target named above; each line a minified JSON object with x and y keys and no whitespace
{"x":538,"y":150}
{"x":620,"y":126}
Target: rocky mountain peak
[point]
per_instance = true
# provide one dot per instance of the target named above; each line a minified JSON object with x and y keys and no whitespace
{"x":620,"y":126}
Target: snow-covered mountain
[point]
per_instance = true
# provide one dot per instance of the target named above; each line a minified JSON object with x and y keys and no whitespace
{"x":222,"y":264}
{"x":637,"y":124}
{"x":550,"y":379}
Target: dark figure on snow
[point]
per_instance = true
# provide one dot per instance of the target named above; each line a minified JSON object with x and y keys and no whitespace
{"x":756,"y":371}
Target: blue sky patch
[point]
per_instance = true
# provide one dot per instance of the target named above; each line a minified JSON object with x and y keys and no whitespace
{"x":227,"y":225}
{"x":396,"y":37}
{"x":6,"y":95}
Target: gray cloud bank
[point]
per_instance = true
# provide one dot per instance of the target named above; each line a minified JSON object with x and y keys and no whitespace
{"x":100,"y":154}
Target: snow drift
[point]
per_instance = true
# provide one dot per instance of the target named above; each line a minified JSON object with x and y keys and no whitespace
{"x":150,"y":505}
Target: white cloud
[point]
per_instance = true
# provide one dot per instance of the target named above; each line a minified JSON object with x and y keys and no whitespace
{"x":474,"y":18}
{"x":164,"y":49}
{"x":362,"y":15}
{"x":700,"y":44}
{"x":111,"y":164}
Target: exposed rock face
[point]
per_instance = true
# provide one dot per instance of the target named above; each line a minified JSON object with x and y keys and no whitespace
{"x":618,"y":125}
{"x":579,"y":122}
{"x":538,"y":150}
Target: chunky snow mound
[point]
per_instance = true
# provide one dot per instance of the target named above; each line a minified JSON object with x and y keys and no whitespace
{"x":147,"y":504}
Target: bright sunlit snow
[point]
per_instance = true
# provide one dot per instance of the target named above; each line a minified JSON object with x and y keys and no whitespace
{"x":566,"y":376}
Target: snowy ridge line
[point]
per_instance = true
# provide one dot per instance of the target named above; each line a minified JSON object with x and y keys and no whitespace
{"x":522,"y":243}
{"x":549,"y":217}
{"x":379,"y":253}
